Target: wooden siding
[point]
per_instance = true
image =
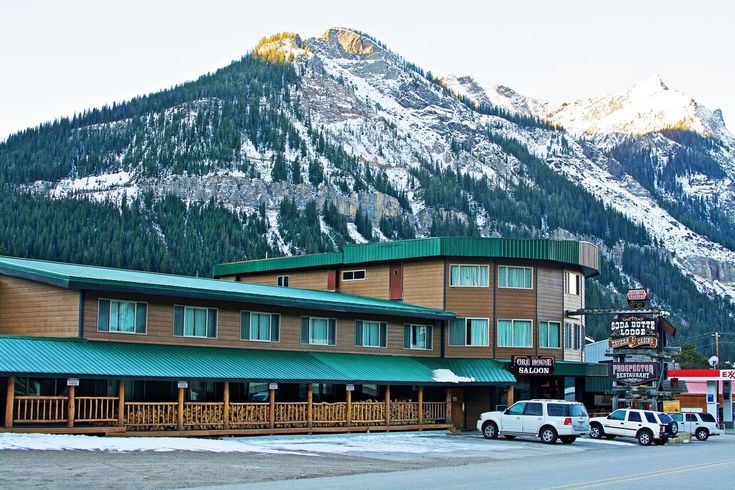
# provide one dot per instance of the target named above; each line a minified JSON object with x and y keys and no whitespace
{"x":422,"y":283}
{"x":550,"y":305}
{"x":302,"y":279}
{"x":375,"y":285}
{"x":516,"y":304}
{"x":160,"y":327}
{"x":470,"y":302}
{"x":36,"y":309}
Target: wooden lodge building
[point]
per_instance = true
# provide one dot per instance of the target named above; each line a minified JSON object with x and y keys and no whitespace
{"x":415,"y":334}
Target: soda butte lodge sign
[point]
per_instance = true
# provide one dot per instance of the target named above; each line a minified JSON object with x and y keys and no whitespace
{"x":633,"y":332}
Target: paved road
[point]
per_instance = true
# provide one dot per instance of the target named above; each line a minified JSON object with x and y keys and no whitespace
{"x":699,"y":465}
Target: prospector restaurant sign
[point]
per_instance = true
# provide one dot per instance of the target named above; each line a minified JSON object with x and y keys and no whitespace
{"x":633,"y":332}
{"x":633,"y":373}
{"x":532,"y":365}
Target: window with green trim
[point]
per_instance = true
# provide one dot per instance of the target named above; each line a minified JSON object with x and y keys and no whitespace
{"x":259,"y":327}
{"x":419,"y":337}
{"x":515,"y":333}
{"x":549,"y":335}
{"x":122,"y":316}
{"x":193,"y":321}
{"x":318,"y":331}
{"x":515,"y":277}
{"x":370,"y":333}
{"x":469,"y":332}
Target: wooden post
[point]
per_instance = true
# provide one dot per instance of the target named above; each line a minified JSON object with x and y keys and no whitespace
{"x":120,"y":402}
{"x":70,"y":407}
{"x":349,"y":408}
{"x":421,"y":407}
{"x":180,"y":410}
{"x":309,"y":404}
{"x":387,"y":405}
{"x":509,"y":398}
{"x":9,"y":402}
{"x":226,"y":406}
{"x":272,"y":410}
{"x":449,"y":406}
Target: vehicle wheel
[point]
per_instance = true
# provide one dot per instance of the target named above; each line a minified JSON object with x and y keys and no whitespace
{"x":490,"y":430}
{"x":645,"y":437}
{"x":596,"y":431}
{"x":510,"y":437}
{"x":673,"y":428}
{"x":548,"y":434}
{"x":702,"y":434}
{"x":609,"y":436}
{"x":568,"y":439}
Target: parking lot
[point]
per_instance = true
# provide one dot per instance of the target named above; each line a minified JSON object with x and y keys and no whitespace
{"x":390,"y":458}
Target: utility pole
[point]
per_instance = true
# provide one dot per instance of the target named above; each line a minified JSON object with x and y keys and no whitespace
{"x":716,"y":335}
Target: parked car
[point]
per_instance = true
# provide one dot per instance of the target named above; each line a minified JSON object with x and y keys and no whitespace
{"x":645,"y":425}
{"x":700,"y":424}
{"x":548,"y":419}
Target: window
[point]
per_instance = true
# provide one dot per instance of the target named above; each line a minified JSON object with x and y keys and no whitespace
{"x":677,"y":416}
{"x":283,"y":281}
{"x":515,"y":277}
{"x":353,"y":275}
{"x":318,"y":331}
{"x":634,"y":417}
{"x":469,"y":331}
{"x":573,"y":283}
{"x":121,"y":316}
{"x":533,"y":409}
{"x":515,"y":333}
{"x":418,"y":336}
{"x":650,"y":417}
{"x":549,"y":335}
{"x":569,"y":336}
{"x":517,"y":409}
{"x":707,"y":417}
{"x":617,"y":415}
{"x":578,"y":337}
{"x":191,"y":321}
{"x":469,"y":276}
{"x":261,"y":327}
{"x":370,"y":334}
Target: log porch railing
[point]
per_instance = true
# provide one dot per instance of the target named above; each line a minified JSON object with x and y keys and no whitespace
{"x":210,"y":415}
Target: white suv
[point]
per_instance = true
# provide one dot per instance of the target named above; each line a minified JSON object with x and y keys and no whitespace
{"x":645,"y":425}
{"x":699,"y":424}
{"x":548,"y":419}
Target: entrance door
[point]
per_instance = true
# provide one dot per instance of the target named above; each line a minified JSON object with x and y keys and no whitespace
{"x":396,"y":281}
{"x":476,"y":401}
{"x":458,"y":409}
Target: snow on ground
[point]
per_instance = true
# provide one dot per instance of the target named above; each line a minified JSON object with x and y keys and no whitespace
{"x":354,"y":234}
{"x":439,"y":442}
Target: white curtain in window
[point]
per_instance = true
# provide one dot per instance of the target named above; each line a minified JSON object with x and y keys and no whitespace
{"x":482,"y":276}
{"x":469,"y":275}
{"x":522,"y":333}
{"x":200,"y":322}
{"x":114,"y":316}
{"x":319,"y":328}
{"x":419,"y":337}
{"x":454,"y":270}
{"x":505,"y":334}
{"x":371,"y":334}
{"x":554,"y":334}
{"x":260,"y":324}
{"x":478,"y":331}
{"x":127,"y":316}
{"x":543,"y":334}
{"x":189,"y":322}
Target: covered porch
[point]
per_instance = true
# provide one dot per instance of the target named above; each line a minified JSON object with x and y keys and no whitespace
{"x":142,"y":389}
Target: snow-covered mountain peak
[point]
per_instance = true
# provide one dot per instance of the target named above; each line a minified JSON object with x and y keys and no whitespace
{"x":648,"y":106}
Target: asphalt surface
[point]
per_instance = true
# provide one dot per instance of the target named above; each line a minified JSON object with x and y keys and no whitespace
{"x":419,"y":460}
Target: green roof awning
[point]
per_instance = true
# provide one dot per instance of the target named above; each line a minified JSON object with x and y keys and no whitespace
{"x":597,"y":384}
{"x":582,"y":254}
{"x":28,"y":356}
{"x":74,"y":276}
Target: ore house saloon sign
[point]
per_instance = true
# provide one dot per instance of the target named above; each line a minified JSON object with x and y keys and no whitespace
{"x":532,"y":365}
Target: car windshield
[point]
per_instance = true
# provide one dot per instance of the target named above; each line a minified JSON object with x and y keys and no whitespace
{"x":707,"y":417}
{"x":665,"y":419}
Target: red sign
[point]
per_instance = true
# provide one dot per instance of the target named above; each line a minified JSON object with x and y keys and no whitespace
{"x":637,"y":294}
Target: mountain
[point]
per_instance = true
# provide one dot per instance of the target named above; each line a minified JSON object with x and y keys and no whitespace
{"x":303,"y":145}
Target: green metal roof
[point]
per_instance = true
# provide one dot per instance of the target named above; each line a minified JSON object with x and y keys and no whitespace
{"x":73,"y":276}
{"x":580,"y":254}
{"x":29,"y":356}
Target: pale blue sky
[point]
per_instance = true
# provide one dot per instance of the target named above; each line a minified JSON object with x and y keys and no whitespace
{"x":58,"y":57}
